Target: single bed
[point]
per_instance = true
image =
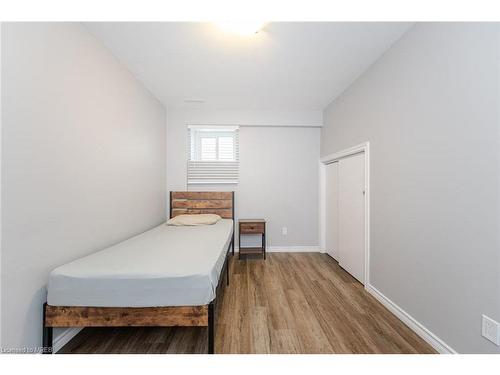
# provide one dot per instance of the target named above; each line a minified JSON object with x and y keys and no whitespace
{"x":167,"y":276}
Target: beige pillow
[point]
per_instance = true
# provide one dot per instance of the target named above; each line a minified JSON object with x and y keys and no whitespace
{"x":201,"y":219}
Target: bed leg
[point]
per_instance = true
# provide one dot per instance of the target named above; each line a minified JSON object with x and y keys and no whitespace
{"x":211,"y":327}
{"x":47,"y":340}
{"x":232,"y":243}
{"x":47,"y":335}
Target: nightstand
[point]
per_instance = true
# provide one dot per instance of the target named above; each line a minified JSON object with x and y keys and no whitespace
{"x":252,"y":226}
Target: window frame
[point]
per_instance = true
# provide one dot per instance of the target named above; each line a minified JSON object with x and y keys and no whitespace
{"x":215,"y":171}
{"x":196,"y":143}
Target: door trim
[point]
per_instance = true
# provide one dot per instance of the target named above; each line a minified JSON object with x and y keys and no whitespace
{"x":361,"y":148}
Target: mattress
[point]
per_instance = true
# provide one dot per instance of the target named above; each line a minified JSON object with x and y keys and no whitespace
{"x":165,"y":266}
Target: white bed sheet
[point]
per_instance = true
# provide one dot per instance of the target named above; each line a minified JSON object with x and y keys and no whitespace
{"x":165,"y":266}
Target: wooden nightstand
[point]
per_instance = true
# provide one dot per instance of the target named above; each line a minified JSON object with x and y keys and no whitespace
{"x":252,"y":226}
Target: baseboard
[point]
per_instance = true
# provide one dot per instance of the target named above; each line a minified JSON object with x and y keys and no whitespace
{"x":64,"y":338}
{"x":411,"y":322}
{"x":289,"y":249}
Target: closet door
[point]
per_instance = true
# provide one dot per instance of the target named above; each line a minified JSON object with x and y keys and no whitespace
{"x":352,"y":215}
{"x":332,"y":209}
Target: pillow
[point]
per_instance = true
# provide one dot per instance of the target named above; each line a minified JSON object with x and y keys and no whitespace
{"x":201,"y":219}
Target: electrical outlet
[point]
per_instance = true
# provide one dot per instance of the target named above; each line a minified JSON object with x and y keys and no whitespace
{"x":491,"y":330}
{"x":284,"y":231}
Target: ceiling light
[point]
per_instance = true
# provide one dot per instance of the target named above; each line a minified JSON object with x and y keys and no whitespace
{"x":241,"y":27}
{"x":196,"y":101}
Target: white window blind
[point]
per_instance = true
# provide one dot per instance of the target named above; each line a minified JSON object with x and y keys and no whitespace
{"x":213,"y":155}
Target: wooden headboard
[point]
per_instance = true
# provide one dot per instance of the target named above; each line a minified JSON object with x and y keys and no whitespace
{"x":202,"y":202}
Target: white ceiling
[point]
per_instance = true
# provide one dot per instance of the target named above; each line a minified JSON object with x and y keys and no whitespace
{"x":284,"y":66}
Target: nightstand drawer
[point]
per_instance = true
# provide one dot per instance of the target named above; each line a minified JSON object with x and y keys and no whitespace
{"x":251,"y":228}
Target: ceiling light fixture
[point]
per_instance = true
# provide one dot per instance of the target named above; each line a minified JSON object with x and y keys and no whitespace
{"x":194,"y":101}
{"x":244,"y":28}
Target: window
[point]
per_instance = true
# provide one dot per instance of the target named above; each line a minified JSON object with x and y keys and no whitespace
{"x":213,"y":155}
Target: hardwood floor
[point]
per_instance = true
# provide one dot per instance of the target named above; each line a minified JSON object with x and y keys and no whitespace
{"x":290,"y":303}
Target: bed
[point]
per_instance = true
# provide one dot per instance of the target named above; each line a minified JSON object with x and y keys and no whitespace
{"x":167,"y":276}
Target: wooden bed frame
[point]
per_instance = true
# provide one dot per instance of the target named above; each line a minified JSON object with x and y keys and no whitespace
{"x":221,"y":203}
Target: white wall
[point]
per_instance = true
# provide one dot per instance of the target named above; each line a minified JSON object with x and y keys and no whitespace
{"x":278,"y":168}
{"x":83,"y":161}
{"x":1,"y":42}
{"x":429,"y":108}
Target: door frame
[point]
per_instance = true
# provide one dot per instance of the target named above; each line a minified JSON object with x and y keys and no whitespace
{"x":328,"y":159}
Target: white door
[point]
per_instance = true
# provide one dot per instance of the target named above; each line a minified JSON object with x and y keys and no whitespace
{"x":351,"y":175}
{"x":332,"y":209}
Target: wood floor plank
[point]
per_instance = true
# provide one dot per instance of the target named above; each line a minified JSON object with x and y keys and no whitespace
{"x":260,"y":340}
{"x":289,"y":303}
{"x":311,"y":336}
{"x":284,"y":341}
